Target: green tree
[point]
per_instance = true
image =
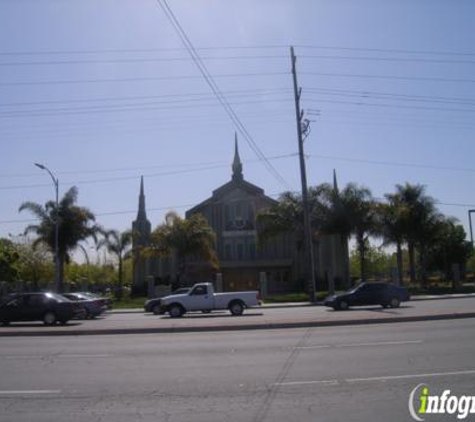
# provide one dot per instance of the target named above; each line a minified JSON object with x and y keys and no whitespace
{"x":35,"y":264}
{"x":378,"y":262}
{"x":418,"y":223}
{"x":119,"y":245}
{"x":9,"y":262}
{"x":76,"y":224}
{"x":190,"y":237}
{"x":449,"y":247}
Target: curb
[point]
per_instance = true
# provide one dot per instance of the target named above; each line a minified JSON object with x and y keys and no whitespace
{"x":266,"y":326}
{"x":305,"y":304}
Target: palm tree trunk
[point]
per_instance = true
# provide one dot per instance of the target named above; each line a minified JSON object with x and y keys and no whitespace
{"x":412,"y":263}
{"x":399,"y":263}
{"x":362,"y":251}
{"x":422,"y":262}
{"x":119,"y":287}
{"x":62,"y":259}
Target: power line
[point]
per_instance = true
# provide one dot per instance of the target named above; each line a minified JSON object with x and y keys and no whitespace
{"x":393,"y":96}
{"x":387,"y":50}
{"x":136,"y":60}
{"x":400,"y":106}
{"x":392,"y":163}
{"x":138,"y":79}
{"x":126,"y":107}
{"x":214,"y":87}
{"x":387,"y":59}
{"x":134,"y":177}
{"x":390,"y":77}
{"x":232,"y":93}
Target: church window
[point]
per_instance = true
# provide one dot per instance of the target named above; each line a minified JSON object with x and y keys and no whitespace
{"x":240,"y":251}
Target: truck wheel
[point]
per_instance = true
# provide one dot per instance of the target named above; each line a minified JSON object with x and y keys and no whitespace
{"x":175,"y":311}
{"x":49,"y":318}
{"x":394,"y":302}
{"x":236,"y":308}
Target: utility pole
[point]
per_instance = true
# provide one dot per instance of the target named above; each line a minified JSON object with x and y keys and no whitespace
{"x":310,"y":267}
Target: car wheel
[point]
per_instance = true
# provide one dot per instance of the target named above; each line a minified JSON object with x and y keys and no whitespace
{"x":49,"y":318}
{"x":156,"y":309}
{"x":343,"y":305}
{"x":394,"y":302}
{"x":236,"y":308}
{"x":175,"y":311}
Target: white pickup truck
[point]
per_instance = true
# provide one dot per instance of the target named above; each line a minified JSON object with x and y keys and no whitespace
{"x":202,"y":297}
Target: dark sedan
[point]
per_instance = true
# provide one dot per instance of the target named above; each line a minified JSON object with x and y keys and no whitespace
{"x":94,"y":306}
{"x":47,"y":307}
{"x":375,"y":293}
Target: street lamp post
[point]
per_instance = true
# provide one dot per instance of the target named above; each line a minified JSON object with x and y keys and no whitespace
{"x":56,"y":225}
{"x":470,"y":223}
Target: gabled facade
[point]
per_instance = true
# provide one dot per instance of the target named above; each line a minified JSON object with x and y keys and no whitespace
{"x":231,"y":211}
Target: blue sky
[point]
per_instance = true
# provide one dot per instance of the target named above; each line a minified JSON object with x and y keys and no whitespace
{"x":103,"y":92}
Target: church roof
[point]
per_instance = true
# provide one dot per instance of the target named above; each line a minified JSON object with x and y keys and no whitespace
{"x":237,"y":182}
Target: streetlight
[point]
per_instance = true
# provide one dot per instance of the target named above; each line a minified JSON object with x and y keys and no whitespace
{"x":470,"y":222}
{"x":56,"y":225}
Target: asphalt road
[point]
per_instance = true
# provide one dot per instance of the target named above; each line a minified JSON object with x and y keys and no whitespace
{"x":355,"y":373}
{"x":263,"y":317}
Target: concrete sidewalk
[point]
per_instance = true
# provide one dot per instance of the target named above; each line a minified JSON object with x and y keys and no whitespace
{"x":303,"y":304}
{"x":259,"y":318}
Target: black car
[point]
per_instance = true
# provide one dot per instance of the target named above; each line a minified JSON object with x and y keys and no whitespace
{"x":153,"y":305}
{"x":47,"y":307}
{"x":375,"y":293}
{"x":93,"y":306}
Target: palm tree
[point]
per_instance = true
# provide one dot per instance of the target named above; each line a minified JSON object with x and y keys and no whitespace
{"x":186,"y":238}
{"x":391,"y":228}
{"x":75,"y":225}
{"x":418,"y":215}
{"x":118,"y":244}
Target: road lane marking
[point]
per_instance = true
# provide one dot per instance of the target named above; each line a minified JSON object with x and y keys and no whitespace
{"x":290,"y":383}
{"x":56,"y":356}
{"x":5,"y":392}
{"x":84,"y":356}
{"x":409,"y":376}
{"x":379,"y":343}
{"x":371,"y":379}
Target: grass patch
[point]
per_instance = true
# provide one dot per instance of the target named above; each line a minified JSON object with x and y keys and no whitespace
{"x":130,"y":302}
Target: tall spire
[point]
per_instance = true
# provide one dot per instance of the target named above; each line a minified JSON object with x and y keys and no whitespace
{"x":335,"y":183}
{"x":237,"y":165}
{"x":141,"y":215}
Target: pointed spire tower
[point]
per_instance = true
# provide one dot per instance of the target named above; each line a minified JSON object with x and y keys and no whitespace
{"x":335,"y":183}
{"x":141,"y":226}
{"x":237,"y":165}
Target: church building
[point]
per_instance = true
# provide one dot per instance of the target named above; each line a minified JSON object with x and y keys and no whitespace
{"x":231,"y":211}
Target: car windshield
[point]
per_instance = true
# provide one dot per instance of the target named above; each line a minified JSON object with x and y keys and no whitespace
{"x":57,"y":297}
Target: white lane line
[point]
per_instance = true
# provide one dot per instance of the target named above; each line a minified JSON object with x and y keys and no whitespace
{"x":398,"y":377}
{"x":55,"y":356}
{"x":85,"y":356}
{"x":384,"y":378}
{"x":328,"y":382}
{"x":379,"y":343}
{"x":5,"y":392}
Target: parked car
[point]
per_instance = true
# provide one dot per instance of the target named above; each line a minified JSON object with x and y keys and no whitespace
{"x":94,"y":306}
{"x":202,"y":297}
{"x":373,"y":293}
{"x":106,"y":300}
{"x":47,"y":307}
{"x":153,"y":305}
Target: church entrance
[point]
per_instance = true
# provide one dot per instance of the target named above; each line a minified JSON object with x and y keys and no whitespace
{"x":240,"y":279}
